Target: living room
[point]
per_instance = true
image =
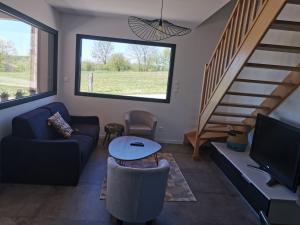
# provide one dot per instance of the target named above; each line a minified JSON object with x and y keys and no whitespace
{"x":199,"y":190}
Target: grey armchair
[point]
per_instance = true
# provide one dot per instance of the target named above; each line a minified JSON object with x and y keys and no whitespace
{"x":136,"y":195}
{"x":140,"y":123}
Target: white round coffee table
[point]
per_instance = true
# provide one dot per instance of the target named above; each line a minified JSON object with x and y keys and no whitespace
{"x":122,"y":148}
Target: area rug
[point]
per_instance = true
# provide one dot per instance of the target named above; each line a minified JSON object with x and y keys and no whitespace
{"x":178,"y":189}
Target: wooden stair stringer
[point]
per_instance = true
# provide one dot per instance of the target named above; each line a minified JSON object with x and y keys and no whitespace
{"x":283,"y":91}
{"x":254,"y":37}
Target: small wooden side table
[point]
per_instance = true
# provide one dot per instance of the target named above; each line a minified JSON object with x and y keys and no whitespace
{"x":112,"y":129}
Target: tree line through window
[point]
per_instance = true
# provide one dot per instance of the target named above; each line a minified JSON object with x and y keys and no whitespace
{"x":125,"y":69}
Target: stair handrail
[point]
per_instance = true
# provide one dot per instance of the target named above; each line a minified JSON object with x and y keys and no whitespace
{"x":236,"y":30}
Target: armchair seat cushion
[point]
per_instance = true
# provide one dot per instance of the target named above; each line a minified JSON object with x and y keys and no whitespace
{"x":140,"y":129}
{"x":91,"y":130}
{"x":85,"y":146}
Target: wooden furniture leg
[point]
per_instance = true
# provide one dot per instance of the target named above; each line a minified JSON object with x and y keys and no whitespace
{"x":156,"y":159}
{"x":104,"y":140}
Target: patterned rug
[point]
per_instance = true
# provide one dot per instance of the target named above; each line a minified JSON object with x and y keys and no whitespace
{"x":178,"y":189}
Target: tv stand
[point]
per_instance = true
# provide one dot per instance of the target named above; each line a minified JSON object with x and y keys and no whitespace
{"x":276,"y":201}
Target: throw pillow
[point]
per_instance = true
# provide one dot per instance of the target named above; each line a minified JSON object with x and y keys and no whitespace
{"x":60,"y":125}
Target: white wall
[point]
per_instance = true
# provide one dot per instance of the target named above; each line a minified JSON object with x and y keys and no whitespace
{"x":42,"y":12}
{"x":192,"y":52}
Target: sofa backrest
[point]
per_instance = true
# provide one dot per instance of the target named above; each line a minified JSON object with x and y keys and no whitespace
{"x":33,"y":125}
{"x":55,"y":107}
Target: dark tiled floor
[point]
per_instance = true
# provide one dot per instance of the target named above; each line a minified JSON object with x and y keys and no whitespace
{"x":218,"y":201}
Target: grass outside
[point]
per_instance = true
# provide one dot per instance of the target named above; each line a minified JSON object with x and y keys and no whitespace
{"x":105,"y":82}
{"x":127,"y":83}
{"x":12,"y":81}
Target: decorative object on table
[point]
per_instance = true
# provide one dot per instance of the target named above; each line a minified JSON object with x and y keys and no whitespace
{"x":237,"y":140}
{"x":4,"y":96}
{"x":140,"y":123}
{"x":130,"y":191}
{"x":112,"y":129}
{"x":157,"y":29}
{"x":60,"y":125}
{"x":178,"y":189}
{"x":20,"y":93}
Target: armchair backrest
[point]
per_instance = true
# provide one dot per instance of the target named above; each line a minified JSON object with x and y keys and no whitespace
{"x":136,"y":195}
{"x":141,"y":117}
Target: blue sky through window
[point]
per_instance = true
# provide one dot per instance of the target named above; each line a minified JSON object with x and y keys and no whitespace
{"x":18,"y":33}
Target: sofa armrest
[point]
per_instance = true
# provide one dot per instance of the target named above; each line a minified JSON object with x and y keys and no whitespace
{"x":85,"y":119}
{"x":55,"y":162}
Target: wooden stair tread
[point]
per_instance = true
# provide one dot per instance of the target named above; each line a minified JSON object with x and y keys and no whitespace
{"x":229,"y":114}
{"x":252,"y":95}
{"x":278,"y":48}
{"x":212,"y":135}
{"x":233,"y":123}
{"x":191,"y":138}
{"x":217,"y":130}
{"x":285,"y":25}
{"x":264,"y":82}
{"x":239,"y":105}
{"x":273,"y":67}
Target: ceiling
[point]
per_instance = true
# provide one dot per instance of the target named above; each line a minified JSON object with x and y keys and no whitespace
{"x":190,"y":11}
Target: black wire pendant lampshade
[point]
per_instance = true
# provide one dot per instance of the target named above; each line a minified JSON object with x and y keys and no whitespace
{"x":155,"y":30}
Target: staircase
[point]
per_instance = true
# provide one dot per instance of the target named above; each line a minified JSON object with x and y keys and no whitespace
{"x":242,"y":38}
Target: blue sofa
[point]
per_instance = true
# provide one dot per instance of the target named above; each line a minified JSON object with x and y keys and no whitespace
{"x":35,"y":153}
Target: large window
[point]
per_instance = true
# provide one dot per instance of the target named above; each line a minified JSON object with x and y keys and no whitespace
{"x":124,"y":69}
{"x":28,"y":54}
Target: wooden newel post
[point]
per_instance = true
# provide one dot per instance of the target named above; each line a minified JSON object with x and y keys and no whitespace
{"x":201,"y":106}
{"x":90,"y":82}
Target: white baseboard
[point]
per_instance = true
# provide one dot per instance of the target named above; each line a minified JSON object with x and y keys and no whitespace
{"x":169,"y":141}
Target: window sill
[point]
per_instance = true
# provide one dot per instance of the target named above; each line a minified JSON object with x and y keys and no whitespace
{"x":131,"y":98}
{"x":8,"y":104}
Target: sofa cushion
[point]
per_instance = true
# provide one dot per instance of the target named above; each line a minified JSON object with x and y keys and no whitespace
{"x":59,"y":107}
{"x":33,"y":125}
{"x":91,"y":130}
{"x":85,"y":146}
{"x":60,"y":125}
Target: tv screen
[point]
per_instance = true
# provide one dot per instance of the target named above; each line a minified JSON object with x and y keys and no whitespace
{"x":276,"y":147}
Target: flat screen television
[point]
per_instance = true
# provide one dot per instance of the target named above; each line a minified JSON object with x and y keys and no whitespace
{"x":276,"y":148}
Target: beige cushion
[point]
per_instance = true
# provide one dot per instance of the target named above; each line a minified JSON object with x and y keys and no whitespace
{"x":140,"y":129}
{"x":60,"y":125}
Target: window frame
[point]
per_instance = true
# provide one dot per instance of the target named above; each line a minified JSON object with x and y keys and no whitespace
{"x":77,"y":92}
{"x":33,"y":22}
